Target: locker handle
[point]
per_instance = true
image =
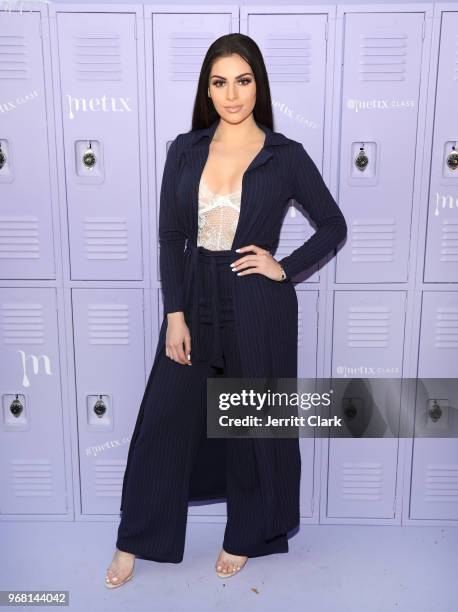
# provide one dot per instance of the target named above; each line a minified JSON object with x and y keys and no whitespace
{"x":89,"y":158}
{"x":16,"y":407}
{"x":100,"y":407}
{"x":435,"y":412}
{"x":452,"y":159}
{"x":361,"y":160}
{"x":2,"y":157}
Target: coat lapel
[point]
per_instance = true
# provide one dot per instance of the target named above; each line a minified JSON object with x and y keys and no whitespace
{"x":196,"y":155}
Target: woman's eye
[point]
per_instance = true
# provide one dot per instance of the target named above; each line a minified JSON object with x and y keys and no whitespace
{"x":243,"y":81}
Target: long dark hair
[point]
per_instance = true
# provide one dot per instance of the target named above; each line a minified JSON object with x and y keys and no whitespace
{"x":204,"y":112}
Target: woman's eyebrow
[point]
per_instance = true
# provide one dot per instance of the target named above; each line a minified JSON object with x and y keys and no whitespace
{"x":221,"y":77}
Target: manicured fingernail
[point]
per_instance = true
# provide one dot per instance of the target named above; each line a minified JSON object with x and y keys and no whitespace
{"x":232,"y":264}
{"x":237,"y":250}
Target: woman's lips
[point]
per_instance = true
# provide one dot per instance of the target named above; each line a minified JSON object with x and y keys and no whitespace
{"x":233,"y":109}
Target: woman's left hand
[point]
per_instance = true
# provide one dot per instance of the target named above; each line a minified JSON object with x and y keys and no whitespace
{"x":258,"y":262}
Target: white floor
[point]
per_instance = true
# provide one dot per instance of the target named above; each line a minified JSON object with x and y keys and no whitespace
{"x":332,"y":568}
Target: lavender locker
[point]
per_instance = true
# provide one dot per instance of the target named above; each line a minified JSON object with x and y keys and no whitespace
{"x":26,"y":229}
{"x":180,"y":41}
{"x":109,"y":341}
{"x":295,"y":49}
{"x":379,"y":120}
{"x":434,"y":491}
{"x":99,"y":101}
{"x":31,"y":436}
{"x":441,"y":254}
{"x":369,"y":334}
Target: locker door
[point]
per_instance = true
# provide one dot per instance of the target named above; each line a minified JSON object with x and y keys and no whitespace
{"x":109,"y":339}
{"x":307,"y":368}
{"x":31,"y":433}
{"x":180,"y":42}
{"x":368,"y":340}
{"x":99,"y":101}
{"x":307,"y":333}
{"x":26,"y":239}
{"x":294,"y":49}
{"x":379,"y":122}
{"x":441,"y":257}
{"x":434,"y":489}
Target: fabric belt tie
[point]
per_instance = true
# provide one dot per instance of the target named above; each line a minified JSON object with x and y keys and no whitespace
{"x":192,"y":290}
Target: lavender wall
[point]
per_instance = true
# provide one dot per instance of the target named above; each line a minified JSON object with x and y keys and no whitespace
{"x":90,"y":97}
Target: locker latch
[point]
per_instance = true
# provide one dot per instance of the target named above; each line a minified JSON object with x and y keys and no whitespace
{"x":16,"y":407}
{"x":452,"y":159}
{"x":361,"y":160}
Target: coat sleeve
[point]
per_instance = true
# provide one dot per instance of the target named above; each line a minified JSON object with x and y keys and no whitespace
{"x":310,"y":190}
{"x":172,"y":237}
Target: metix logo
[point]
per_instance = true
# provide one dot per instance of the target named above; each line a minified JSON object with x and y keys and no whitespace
{"x":13,"y":5}
{"x":104,"y":103}
{"x":6,"y":107}
{"x":449,"y":202}
{"x":287,"y":111}
{"x":35,"y":366}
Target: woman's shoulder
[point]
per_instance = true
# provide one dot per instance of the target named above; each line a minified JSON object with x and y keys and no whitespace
{"x":185,"y":140}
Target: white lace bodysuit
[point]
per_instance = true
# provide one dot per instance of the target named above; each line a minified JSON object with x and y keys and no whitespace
{"x":218,"y":217}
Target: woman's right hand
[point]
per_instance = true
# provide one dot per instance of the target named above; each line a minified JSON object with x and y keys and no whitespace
{"x":177,"y":337}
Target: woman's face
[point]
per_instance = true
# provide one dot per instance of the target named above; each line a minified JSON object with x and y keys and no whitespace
{"x":232,"y":88}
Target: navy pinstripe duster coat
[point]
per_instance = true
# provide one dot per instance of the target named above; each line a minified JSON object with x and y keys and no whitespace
{"x":265,"y":311}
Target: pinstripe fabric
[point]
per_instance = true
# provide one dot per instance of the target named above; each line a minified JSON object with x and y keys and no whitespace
{"x":265,"y":331}
{"x":153,"y":524}
{"x":291,"y":174}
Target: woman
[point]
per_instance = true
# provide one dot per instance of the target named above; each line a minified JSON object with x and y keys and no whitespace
{"x":230,"y":309}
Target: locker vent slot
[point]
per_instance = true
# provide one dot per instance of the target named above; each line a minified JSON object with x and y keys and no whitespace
{"x":14,"y":61}
{"x":108,"y":478}
{"x":368,"y":327}
{"x":98,"y":57}
{"x":106,"y":238}
{"x":186,"y":52}
{"x":288,"y":57}
{"x":446,"y":328}
{"x":361,"y":481}
{"x":373,"y":240}
{"x":32,"y":478}
{"x":19,"y":237}
{"x":300,"y":327}
{"x":383,"y":57}
{"x":449,"y":240}
{"x":441,"y":483}
{"x":22,"y":324}
{"x":108,"y":324}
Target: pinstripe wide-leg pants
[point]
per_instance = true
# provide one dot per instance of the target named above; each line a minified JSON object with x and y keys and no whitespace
{"x":154,"y":516}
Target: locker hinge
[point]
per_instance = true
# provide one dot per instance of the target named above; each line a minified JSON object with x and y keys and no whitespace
{"x":312,"y":505}
{"x":135,"y":29}
{"x":41,"y":31}
{"x":394,"y":507}
{"x":423,"y":29}
{"x":326,"y":26}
